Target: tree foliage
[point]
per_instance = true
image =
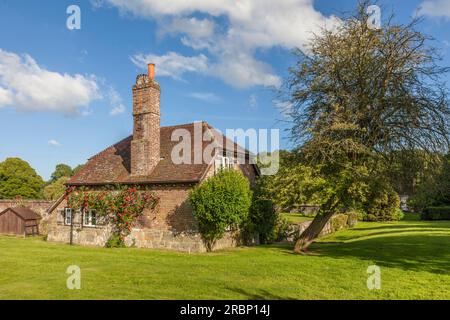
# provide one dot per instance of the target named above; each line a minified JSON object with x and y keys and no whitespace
{"x":295,"y":183}
{"x":19,"y":179}
{"x":382,"y":203}
{"x":263,"y":219}
{"x":360,"y":95}
{"x":220,"y":203}
{"x":410,"y":168}
{"x":77,"y":168}
{"x":56,"y":189}
{"x":434,"y":188}
{"x":61,"y":170}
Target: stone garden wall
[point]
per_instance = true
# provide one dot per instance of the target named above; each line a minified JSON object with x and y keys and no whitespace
{"x":140,"y":238}
{"x":39,"y":206}
{"x":186,"y":242}
{"x":337,"y":222}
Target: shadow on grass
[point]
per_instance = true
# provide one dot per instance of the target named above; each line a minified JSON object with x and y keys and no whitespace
{"x":417,"y":252}
{"x":428,"y":231}
{"x":418,"y":224}
{"x":260,"y":295}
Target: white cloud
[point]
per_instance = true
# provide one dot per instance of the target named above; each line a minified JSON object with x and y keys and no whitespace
{"x":193,"y":27}
{"x":435,"y":8}
{"x":250,"y":25}
{"x":205,"y":96}
{"x":285,"y":108}
{"x":242,"y":70}
{"x":172,"y":64}
{"x":54,"y":143}
{"x":116,"y":102}
{"x":6,"y":97}
{"x":118,"y":109}
{"x":27,"y":86}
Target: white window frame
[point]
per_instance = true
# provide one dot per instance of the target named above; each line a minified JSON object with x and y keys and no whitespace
{"x":88,"y":218}
{"x":68,"y":213}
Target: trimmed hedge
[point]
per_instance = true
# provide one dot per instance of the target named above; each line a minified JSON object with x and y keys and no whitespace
{"x":436,"y":213}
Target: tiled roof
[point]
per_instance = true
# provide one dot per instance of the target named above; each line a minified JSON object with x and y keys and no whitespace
{"x":24,"y":213}
{"x":112,"y":165}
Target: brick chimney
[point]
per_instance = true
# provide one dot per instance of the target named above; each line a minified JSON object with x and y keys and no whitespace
{"x":145,"y":147}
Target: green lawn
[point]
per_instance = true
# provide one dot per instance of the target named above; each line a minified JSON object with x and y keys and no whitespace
{"x":296,"y":217}
{"x":414,"y":258}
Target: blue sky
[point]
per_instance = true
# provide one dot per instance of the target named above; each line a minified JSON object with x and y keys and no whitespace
{"x":65,"y":94}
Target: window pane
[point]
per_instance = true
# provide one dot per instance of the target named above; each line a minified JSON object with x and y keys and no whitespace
{"x":68,"y":216}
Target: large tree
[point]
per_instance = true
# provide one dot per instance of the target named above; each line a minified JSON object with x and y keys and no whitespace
{"x":61,"y":170}
{"x":294,"y":184}
{"x":360,"y":95}
{"x":19,"y":179}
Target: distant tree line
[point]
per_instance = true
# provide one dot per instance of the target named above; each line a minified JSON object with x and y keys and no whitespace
{"x":19,"y":179}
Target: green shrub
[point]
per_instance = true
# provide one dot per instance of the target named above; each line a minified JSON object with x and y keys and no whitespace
{"x":115,"y":241}
{"x":383,"y":205}
{"x":339,"y":222}
{"x":281,"y":231}
{"x":436,"y":213}
{"x":221,"y":203}
{"x":433,"y":188}
{"x":263,"y":219}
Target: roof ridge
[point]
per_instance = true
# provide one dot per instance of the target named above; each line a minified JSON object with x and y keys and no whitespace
{"x":186,"y":124}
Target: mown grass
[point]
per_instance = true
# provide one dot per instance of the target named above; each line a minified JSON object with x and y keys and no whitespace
{"x":296,"y":217}
{"x":414,"y":257}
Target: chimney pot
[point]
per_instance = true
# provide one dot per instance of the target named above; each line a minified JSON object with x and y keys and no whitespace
{"x":151,"y":71}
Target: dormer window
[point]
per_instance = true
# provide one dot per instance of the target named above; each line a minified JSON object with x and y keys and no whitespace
{"x":224,"y":163}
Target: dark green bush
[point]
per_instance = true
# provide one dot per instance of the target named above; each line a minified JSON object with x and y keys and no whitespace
{"x":115,"y":241}
{"x":221,"y":203}
{"x":281,"y":231}
{"x":434,"y":189}
{"x":383,"y":204}
{"x":263,"y":219}
{"x":436,"y":213}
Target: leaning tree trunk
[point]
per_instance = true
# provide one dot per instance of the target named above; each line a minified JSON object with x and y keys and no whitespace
{"x":315,"y":228}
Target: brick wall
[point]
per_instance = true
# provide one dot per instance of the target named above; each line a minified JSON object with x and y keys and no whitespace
{"x":145,"y":147}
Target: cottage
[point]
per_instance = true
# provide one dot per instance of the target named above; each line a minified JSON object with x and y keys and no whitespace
{"x":169,"y":161}
{"x":19,"y":221}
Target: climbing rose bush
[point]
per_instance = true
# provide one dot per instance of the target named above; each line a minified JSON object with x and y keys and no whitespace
{"x":120,"y":207}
